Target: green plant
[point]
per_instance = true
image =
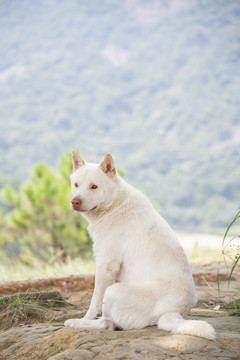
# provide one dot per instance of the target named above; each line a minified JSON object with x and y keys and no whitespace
{"x":233,"y":306}
{"x":231,"y":248}
{"x":41,"y":224}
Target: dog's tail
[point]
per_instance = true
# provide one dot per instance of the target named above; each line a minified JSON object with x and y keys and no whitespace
{"x":175,"y":323}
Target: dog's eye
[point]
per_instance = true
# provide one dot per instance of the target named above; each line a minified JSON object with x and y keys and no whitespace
{"x":93,"y":187}
{"x":76,"y":185}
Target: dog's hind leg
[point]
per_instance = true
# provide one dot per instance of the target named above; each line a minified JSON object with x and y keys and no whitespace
{"x":124,"y":307}
{"x":129,"y":306}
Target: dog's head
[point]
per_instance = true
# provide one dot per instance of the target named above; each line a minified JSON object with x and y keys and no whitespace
{"x":93,"y":186}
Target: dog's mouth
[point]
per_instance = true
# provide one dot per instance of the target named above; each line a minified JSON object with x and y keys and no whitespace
{"x":79,"y":209}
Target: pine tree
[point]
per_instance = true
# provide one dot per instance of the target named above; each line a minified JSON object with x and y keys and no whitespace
{"x":41,"y":223}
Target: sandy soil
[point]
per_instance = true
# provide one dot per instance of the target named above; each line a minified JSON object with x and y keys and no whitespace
{"x":43,"y":336}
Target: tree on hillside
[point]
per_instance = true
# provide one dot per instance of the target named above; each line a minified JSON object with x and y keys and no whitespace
{"x":41,"y":223}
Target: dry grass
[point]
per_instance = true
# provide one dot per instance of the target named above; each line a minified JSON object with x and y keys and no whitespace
{"x":28,"y":307}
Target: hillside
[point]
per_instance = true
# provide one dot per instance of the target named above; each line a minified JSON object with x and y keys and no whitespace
{"x":155,"y":83}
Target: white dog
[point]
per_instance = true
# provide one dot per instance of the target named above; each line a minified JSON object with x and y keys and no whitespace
{"x":142,"y":273}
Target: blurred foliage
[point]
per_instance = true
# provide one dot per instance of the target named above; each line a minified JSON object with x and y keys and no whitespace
{"x":155,"y":83}
{"x":41,"y":224}
{"x":231,"y":248}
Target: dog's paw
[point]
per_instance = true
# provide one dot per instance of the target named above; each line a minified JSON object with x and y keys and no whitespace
{"x":73,"y":323}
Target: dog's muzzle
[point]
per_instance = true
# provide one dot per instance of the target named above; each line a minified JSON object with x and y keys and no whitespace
{"x":77,"y":205}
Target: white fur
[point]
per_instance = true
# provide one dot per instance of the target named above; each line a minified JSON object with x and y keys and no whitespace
{"x":135,"y":247}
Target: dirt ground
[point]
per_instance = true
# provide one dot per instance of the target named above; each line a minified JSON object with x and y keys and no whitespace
{"x":42,"y":335}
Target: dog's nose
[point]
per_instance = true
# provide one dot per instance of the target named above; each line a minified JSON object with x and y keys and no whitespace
{"x":76,"y":202}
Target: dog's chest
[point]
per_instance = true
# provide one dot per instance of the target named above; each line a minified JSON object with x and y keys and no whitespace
{"x":108,"y":240}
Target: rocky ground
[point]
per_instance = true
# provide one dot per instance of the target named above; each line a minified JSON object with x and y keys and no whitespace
{"x":32,"y":332}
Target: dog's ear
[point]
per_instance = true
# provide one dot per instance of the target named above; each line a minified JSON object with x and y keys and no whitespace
{"x":77,"y":161}
{"x":107,"y":165}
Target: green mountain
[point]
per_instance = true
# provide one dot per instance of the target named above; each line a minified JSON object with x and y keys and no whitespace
{"x":156,"y":83}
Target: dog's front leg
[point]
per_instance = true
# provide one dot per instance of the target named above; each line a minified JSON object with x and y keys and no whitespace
{"x":106,"y":275}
